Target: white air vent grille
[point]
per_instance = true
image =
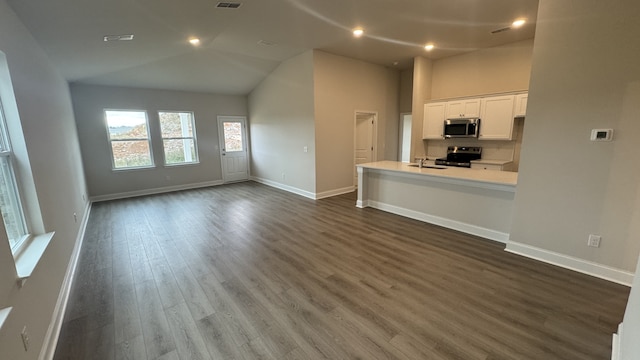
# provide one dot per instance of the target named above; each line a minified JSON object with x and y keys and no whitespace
{"x":127,"y":37}
{"x":228,"y":5}
{"x":266,"y":43}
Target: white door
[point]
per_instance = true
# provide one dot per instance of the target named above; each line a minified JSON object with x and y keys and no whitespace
{"x":233,"y":149}
{"x":364,"y":153}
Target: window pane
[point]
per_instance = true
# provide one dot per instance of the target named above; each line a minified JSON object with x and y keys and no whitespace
{"x":127,"y":124}
{"x":176,"y":124}
{"x":178,"y":151}
{"x":233,"y":136}
{"x":133,"y":153}
{"x":9,"y":203}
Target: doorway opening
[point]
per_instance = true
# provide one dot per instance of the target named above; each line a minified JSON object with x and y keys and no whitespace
{"x":365,"y":139}
{"x":405,"y":137}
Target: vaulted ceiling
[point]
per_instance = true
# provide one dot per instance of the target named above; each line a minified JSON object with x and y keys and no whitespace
{"x":239,"y":47}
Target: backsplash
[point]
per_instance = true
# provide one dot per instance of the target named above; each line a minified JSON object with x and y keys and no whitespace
{"x":491,"y":149}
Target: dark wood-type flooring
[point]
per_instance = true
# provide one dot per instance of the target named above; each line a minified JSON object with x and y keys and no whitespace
{"x":245,"y":271}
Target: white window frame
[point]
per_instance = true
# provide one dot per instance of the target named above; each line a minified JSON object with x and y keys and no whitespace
{"x":27,"y":252}
{"x":185,"y":138}
{"x":147,"y":139}
{"x":6,"y":154}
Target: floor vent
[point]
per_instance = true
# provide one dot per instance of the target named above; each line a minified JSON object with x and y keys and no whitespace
{"x":228,"y":5}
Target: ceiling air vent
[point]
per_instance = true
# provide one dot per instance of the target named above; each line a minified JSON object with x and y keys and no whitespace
{"x":501,"y":30}
{"x":266,"y":43}
{"x":127,"y":37}
{"x":228,"y":5}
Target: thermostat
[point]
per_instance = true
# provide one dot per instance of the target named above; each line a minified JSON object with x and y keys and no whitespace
{"x":601,"y":134}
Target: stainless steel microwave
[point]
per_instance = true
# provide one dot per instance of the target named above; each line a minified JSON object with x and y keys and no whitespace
{"x":461,"y":128}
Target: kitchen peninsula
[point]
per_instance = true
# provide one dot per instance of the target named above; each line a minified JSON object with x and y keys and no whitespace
{"x":478,"y":202}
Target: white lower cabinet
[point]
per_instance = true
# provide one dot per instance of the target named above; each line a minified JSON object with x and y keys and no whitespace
{"x":497,"y":118}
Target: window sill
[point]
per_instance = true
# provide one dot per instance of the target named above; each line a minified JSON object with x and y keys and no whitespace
{"x":30,"y":254}
{"x":4,"y":314}
{"x":183,"y":164}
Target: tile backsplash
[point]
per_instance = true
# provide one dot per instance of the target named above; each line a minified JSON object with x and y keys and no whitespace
{"x":491,"y":149}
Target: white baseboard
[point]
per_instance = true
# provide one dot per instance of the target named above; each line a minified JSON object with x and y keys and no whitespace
{"x":144,"y":192}
{"x":335,"y":192}
{"x":53,"y":332}
{"x":569,"y":262}
{"x":615,"y":344}
{"x":436,"y":220}
{"x":284,"y":187}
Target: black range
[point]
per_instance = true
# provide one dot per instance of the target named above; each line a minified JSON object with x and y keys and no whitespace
{"x":460,"y":156}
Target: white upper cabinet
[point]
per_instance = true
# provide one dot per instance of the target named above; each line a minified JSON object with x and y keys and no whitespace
{"x":465,"y":108}
{"x":521,"y":105}
{"x":497,"y":118}
{"x":433,"y":123}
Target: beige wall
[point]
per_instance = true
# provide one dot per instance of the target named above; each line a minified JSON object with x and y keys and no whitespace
{"x":89,"y":102}
{"x":282,"y":124}
{"x":46,"y":118}
{"x":584,"y":76}
{"x":406,"y":91}
{"x":486,"y":71}
{"x":342,"y":86}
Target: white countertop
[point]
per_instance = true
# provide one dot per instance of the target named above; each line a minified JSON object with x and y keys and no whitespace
{"x":483,"y":176}
{"x":491,"y":162}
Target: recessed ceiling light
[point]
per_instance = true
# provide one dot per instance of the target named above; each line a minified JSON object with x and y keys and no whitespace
{"x":518,"y":23}
{"x":127,"y":37}
{"x":194,"y":41}
{"x":358,"y":32}
{"x":429,"y":47}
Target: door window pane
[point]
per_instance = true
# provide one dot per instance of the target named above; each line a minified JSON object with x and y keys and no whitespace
{"x":129,"y":137}
{"x":233,"y":136}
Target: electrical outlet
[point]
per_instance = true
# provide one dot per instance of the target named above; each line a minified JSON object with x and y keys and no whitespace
{"x":84,"y":197}
{"x":283,"y":176}
{"x":594,"y":240}
{"x":305,"y":149}
{"x":75,"y":217}
{"x":25,"y":338}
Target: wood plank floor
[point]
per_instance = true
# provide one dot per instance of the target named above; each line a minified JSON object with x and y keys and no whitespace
{"x":245,"y":271}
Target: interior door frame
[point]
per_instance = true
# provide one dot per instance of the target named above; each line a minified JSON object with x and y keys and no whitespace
{"x":374,"y":137}
{"x":245,"y":140}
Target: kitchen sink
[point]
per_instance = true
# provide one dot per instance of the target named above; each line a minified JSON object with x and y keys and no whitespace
{"x":428,"y":166}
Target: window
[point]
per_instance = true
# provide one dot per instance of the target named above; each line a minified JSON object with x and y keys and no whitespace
{"x":178,"y":137}
{"x":129,"y":138}
{"x":12,"y":214}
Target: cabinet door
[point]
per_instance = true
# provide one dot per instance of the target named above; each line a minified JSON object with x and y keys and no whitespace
{"x":463,"y":108}
{"x":497,"y":118}
{"x":433,"y":123}
{"x":521,"y":105}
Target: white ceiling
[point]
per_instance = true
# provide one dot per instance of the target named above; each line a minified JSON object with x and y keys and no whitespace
{"x":230,"y":60}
